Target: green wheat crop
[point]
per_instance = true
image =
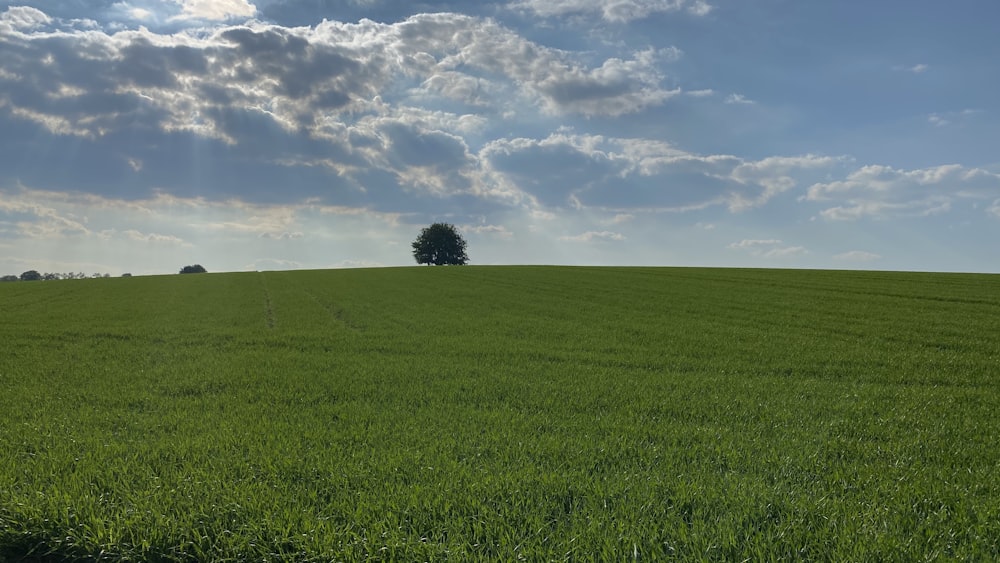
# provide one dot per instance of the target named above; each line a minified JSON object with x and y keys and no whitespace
{"x":502,"y":413}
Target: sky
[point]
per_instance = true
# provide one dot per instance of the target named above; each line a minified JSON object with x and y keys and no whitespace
{"x":141,"y":136}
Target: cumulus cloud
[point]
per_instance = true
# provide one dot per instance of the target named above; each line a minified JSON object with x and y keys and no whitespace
{"x":138,"y":13}
{"x":618,"y":12}
{"x":341,"y":107}
{"x":881,"y":191}
{"x":550,"y":169}
{"x":616,"y":87}
{"x":221,"y":82}
{"x":216,"y":10}
{"x":23,"y":18}
{"x":624,"y":175}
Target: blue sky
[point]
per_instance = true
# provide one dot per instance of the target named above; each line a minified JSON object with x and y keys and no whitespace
{"x":140,"y":136}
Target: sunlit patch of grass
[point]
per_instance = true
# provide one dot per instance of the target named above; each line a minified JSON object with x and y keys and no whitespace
{"x":498,"y":413}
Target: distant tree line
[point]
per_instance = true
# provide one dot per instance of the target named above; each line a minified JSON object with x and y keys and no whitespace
{"x":35,"y":275}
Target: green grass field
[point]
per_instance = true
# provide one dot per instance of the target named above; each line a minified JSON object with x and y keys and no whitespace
{"x":502,"y":413}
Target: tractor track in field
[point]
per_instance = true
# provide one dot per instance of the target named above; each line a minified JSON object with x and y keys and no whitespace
{"x":338,"y":314}
{"x":268,"y":308}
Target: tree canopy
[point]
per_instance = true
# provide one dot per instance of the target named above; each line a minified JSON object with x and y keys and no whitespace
{"x":196,"y":269}
{"x":440,"y":244}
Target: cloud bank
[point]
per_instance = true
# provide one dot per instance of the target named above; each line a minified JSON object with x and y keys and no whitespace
{"x":571,"y":131}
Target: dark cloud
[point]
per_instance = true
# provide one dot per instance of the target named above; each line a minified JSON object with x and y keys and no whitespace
{"x":412,"y":146}
{"x":299,"y":67}
{"x":44,"y":63}
{"x":551,"y":172}
{"x":576,"y":90}
{"x":330,"y":113}
{"x":146,"y":64}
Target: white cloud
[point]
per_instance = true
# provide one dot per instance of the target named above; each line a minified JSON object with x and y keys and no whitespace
{"x":140,"y":13}
{"x":215,"y":10}
{"x":615,"y":88}
{"x":705,"y":93}
{"x":881,"y":191}
{"x":738,"y":99}
{"x":594,"y":236}
{"x":238,"y":83}
{"x":23,"y":18}
{"x":619,"y":11}
{"x":628,"y":175}
{"x":779,"y":174}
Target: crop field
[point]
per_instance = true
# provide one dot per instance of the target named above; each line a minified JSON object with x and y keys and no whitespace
{"x":501,"y":413}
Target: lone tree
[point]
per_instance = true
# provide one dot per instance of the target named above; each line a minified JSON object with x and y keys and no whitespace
{"x":196,"y":269}
{"x":31,"y":275}
{"x":440,"y":244}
